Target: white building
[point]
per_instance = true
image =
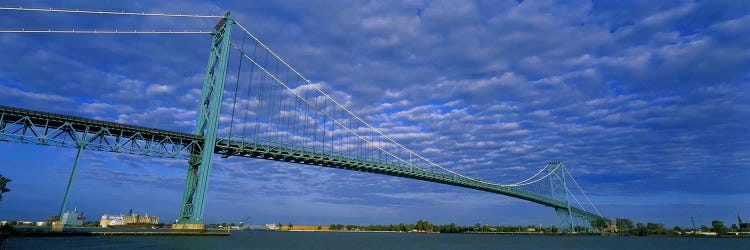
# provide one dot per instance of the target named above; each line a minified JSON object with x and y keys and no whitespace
{"x":109,"y":220}
{"x":118,"y":220}
{"x":72,"y":218}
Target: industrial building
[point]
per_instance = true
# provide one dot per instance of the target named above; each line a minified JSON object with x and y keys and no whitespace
{"x":744,"y":226}
{"x":73,"y":218}
{"x":130,"y":219}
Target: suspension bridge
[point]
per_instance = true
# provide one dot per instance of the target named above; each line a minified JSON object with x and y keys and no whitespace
{"x":270,"y":112}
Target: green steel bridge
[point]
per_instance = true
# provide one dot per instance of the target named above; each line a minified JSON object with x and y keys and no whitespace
{"x":277,"y":115}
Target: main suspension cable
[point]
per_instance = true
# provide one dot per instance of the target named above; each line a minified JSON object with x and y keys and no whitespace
{"x":342,"y":107}
{"x":21,"y":8}
{"x":584,"y":193}
{"x":74,"y":31}
{"x":328,"y":97}
{"x":523,"y":182}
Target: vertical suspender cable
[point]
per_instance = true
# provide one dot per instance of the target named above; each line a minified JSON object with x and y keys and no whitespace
{"x":333,"y":129}
{"x":286,"y":118}
{"x":297,"y":117}
{"x":248,"y":98}
{"x":272,"y":108}
{"x":237,"y":86}
{"x":314,"y":125}
{"x":307,"y":111}
{"x":261,"y":95}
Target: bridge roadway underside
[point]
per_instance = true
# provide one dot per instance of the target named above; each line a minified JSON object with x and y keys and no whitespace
{"x":49,"y":129}
{"x":288,"y":153}
{"x":150,"y":141}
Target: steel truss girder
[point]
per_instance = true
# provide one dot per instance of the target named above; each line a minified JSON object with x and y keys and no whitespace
{"x":33,"y":127}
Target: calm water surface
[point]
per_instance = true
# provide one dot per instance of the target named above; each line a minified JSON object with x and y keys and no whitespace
{"x":337,"y":240}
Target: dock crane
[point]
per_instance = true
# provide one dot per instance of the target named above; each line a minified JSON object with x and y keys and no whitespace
{"x":243,"y":222}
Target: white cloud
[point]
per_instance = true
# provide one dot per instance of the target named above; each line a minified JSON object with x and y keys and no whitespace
{"x":33,"y":95}
{"x":158,"y":89}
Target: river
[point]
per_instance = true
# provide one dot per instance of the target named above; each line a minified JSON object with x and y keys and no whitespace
{"x":341,"y":240}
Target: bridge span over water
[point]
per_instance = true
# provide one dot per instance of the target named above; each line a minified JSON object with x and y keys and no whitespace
{"x":276,"y":114}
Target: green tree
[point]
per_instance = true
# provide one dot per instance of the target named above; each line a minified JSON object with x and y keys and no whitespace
{"x":718,"y":227}
{"x":640,"y":229}
{"x":3,"y":186}
{"x":452,"y":228}
{"x":420,"y":225}
{"x":423,"y":225}
{"x":600,"y":223}
{"x":290,"y":226}
{"x":655,"y":228}
{"x":624,"y":225}
{"x":735,"y":228}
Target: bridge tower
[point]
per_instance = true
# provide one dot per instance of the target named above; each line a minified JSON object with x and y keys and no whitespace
{"x":193,"y":200}
{"x":560,"y":192}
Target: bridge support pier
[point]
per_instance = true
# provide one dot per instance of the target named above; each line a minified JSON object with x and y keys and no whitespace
{"x":189,"y":227}
{"x":58,"y":225}
{"x":564,"y":220}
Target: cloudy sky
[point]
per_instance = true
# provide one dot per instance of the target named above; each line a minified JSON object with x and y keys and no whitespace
{"x":645,"y":102}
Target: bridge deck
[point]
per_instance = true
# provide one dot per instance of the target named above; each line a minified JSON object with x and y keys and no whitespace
{"x":80,"y":124}
{"x":278,"y":152}
{"x":257,"y":149}
{"x":42,"y":128}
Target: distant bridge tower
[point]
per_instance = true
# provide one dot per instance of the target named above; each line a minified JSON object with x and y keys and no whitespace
{"x":193,"y":200}
{"x":559,"y":191}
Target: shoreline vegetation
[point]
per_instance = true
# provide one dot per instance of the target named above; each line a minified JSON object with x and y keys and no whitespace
{"x":602,"y":227}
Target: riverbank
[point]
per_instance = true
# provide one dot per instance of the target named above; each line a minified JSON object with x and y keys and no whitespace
{"x":75,"y":232}
{"x":745,"y":235}
{"x":105,"y":233}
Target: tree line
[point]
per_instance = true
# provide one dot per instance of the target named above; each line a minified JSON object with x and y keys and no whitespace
{"x":623,"y":226}
{"x":426,"y":226}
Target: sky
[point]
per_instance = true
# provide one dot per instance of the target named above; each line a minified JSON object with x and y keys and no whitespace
{"x":645,"y":102}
